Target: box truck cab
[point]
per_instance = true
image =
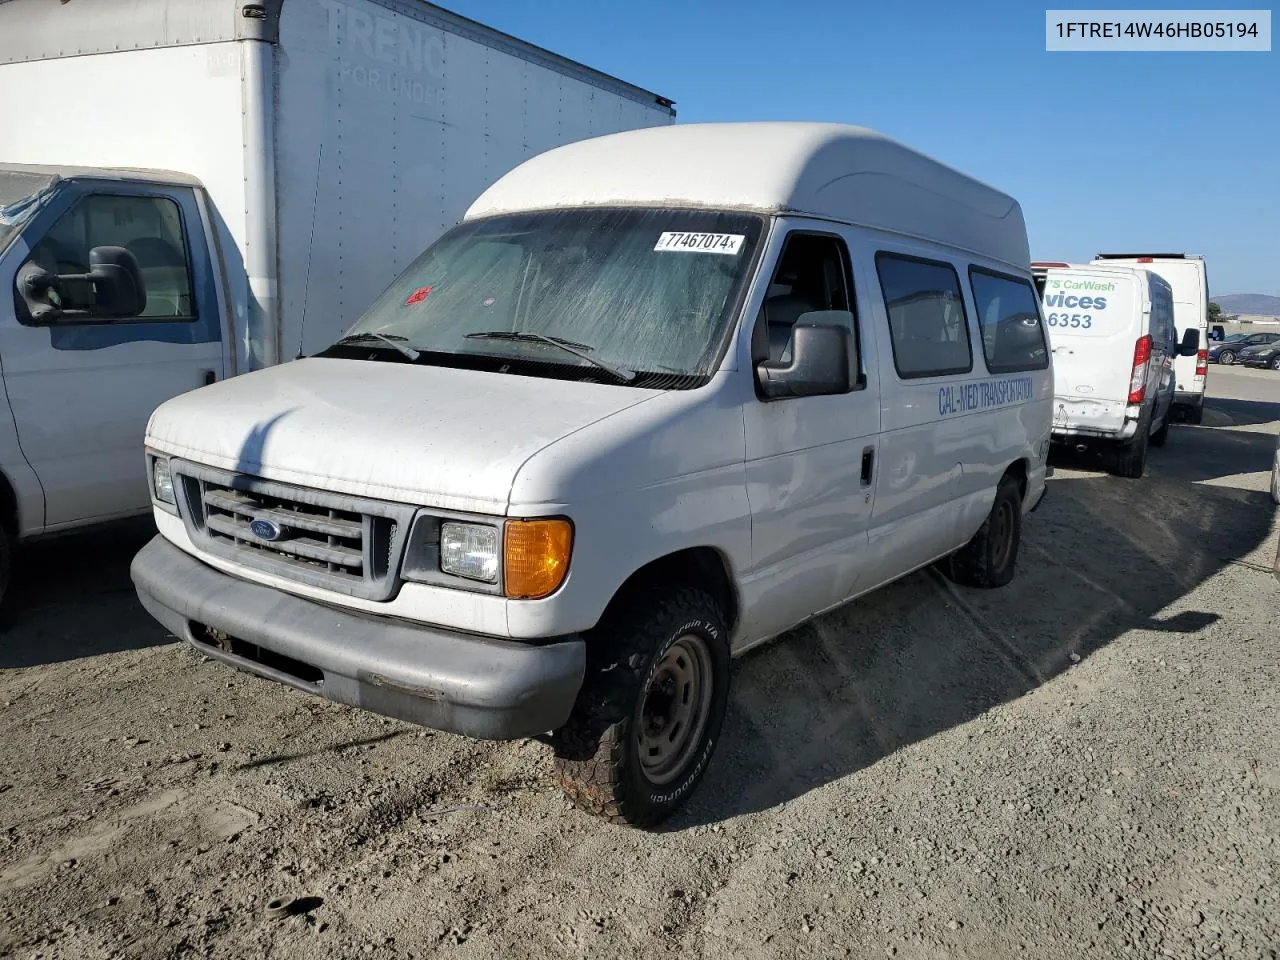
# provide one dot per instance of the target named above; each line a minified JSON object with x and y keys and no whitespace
{"x":318,"y":147}
{"x":1188,"y":279}
{"x":646,"y":407}
{"x":1112,"y":332}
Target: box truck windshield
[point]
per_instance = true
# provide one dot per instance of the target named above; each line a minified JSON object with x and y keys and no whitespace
{"x":21,"y":194}
{"x":646,"y":294}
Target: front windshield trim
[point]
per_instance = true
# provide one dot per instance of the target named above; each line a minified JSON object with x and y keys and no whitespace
{"x":688,"y":369}
{"x":15,"y":214}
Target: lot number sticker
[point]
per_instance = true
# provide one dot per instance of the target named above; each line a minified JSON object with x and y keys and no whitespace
{"x":676,"y":242}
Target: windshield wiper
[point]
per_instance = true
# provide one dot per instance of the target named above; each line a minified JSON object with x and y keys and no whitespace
{"x":392,"y":341}
{"x":568,"y":346}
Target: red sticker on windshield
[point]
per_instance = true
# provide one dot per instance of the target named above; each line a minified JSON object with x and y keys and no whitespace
{"x":417,"y":296}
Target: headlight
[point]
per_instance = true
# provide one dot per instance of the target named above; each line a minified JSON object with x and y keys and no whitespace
{"x":469,"y":550}
{"x":162,"y":480}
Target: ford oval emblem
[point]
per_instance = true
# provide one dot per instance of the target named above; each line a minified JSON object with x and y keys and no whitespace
{"x":265,"y":529}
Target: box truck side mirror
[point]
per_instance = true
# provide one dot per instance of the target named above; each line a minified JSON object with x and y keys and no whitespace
{"x":118,"y":290}
{"x":113,"y":289}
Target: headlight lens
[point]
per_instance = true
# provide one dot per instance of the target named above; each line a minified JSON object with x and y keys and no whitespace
{"x":162,"y":480}
{"x":469,"y":550}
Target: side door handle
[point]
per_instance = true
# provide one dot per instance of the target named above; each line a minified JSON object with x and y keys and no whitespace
{"x":208,"y":377}
{"x":868,"y":465}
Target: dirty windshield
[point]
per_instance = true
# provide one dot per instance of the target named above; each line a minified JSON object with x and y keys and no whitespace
{"x":641,"y":296}
{"x":21,"y":193}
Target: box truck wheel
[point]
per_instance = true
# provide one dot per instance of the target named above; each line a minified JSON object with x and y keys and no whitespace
{"x":6,"y":560}
{"x":989,"y":559}
{"x":1131,"y":457}
{"x":649,"y":713}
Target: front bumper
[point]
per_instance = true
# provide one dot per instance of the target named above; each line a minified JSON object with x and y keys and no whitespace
{"x":1260,"y":362}
{"x":478,"y":686}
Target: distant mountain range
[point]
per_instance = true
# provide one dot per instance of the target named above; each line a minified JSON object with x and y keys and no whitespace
{"x":1249,"y":303}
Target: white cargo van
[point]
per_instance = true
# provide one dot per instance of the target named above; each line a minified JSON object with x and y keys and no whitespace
{"x":1189,"y":280}
{"x":1112,"y":334}
{"x":661,"y":396}
{"x":295,"y":158}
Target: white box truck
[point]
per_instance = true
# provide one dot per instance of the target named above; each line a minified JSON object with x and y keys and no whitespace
{"x":182,"y":182}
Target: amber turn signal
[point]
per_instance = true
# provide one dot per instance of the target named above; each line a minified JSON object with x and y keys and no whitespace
{"x":535,"y":556}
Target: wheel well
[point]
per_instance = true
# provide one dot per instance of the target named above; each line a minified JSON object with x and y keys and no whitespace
{"x":1018,"y":470}
{"x":703,"y":567}
{"x":8,"y":507}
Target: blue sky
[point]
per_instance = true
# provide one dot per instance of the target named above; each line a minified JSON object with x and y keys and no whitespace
{"x":1105,"y":151}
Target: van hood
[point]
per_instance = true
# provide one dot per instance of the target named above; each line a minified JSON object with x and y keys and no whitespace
{"x":431,"y":436}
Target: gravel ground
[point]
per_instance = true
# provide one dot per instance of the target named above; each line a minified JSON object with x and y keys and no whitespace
{"x":1086,"y":763}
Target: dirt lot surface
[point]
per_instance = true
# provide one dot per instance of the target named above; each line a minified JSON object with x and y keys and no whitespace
{"x":1084,"y":764}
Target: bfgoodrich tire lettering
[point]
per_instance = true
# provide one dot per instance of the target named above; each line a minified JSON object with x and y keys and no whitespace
{"x":601,"y":758}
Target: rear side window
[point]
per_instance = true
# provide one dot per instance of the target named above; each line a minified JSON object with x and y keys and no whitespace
{"x":927,"y":324}
{"x":1012,"y":334}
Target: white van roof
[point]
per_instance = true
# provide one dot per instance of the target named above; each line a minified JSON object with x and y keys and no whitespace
{"x":835,"y":172}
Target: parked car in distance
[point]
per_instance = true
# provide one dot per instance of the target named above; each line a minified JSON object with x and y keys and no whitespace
{"x":658,"y":398}
{"x":1226,"y":351}
{"x":1263,"y":355}
{"x":1112,"y":335}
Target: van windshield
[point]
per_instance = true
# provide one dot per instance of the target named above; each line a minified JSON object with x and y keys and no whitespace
{"x":21,"y":193}
{"x":646,"y":292}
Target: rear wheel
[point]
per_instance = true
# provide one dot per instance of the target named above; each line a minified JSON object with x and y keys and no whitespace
{"x":1227,"y":356}
{"x":1195,"y":415}
{"x":1131,"y":457}
{"x":990,"y":558}
{"x":1161,"y":436}
{"x":649,"y":714}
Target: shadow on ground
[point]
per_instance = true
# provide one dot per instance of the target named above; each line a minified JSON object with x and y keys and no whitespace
{"x":71,"y":597}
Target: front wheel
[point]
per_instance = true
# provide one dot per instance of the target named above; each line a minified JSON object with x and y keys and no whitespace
{"x":989,"y":559}
{"x":1275,"y":363}
{"x":1227,"y":357}
{"x":649,"y":714}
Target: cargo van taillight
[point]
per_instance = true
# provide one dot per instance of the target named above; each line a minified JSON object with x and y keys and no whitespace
{"x":1138,"y":381}
{"x":1202,"y":363}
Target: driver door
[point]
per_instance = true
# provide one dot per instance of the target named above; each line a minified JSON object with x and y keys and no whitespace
{"x":82,"y":389}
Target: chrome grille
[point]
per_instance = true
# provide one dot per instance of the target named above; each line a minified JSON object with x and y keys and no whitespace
{"x":324,"y":539}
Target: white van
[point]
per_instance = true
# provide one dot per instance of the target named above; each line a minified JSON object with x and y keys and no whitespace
{"x":1113,"y":359}
{"x":646,"y":407}
{"x":1189,"y":280}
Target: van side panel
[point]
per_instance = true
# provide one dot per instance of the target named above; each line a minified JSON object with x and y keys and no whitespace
{"x":387,"y":127}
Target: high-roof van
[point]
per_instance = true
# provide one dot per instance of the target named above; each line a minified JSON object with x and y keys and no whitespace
{"x":658,"y":398}
{"x":1188,"y":278}
{"x":1112,"y":333}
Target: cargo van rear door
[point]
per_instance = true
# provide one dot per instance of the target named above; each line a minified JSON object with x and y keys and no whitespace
{"x":1094,"y":322}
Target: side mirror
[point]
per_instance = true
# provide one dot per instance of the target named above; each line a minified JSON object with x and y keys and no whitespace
{"x":820,"y":350}
{"x":117,"y":282}
{"x":113,"y":289}
{"x":1190,"y":345}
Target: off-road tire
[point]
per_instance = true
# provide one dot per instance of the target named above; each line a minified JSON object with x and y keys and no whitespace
{"x":6,"y":561}
{"x":1161,"y":436}
{"x":989,"y":560}
{"x":597,"y":751}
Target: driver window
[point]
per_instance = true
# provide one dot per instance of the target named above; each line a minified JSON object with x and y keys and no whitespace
{"x":148,"y":227}
{"x":811,"y":275}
